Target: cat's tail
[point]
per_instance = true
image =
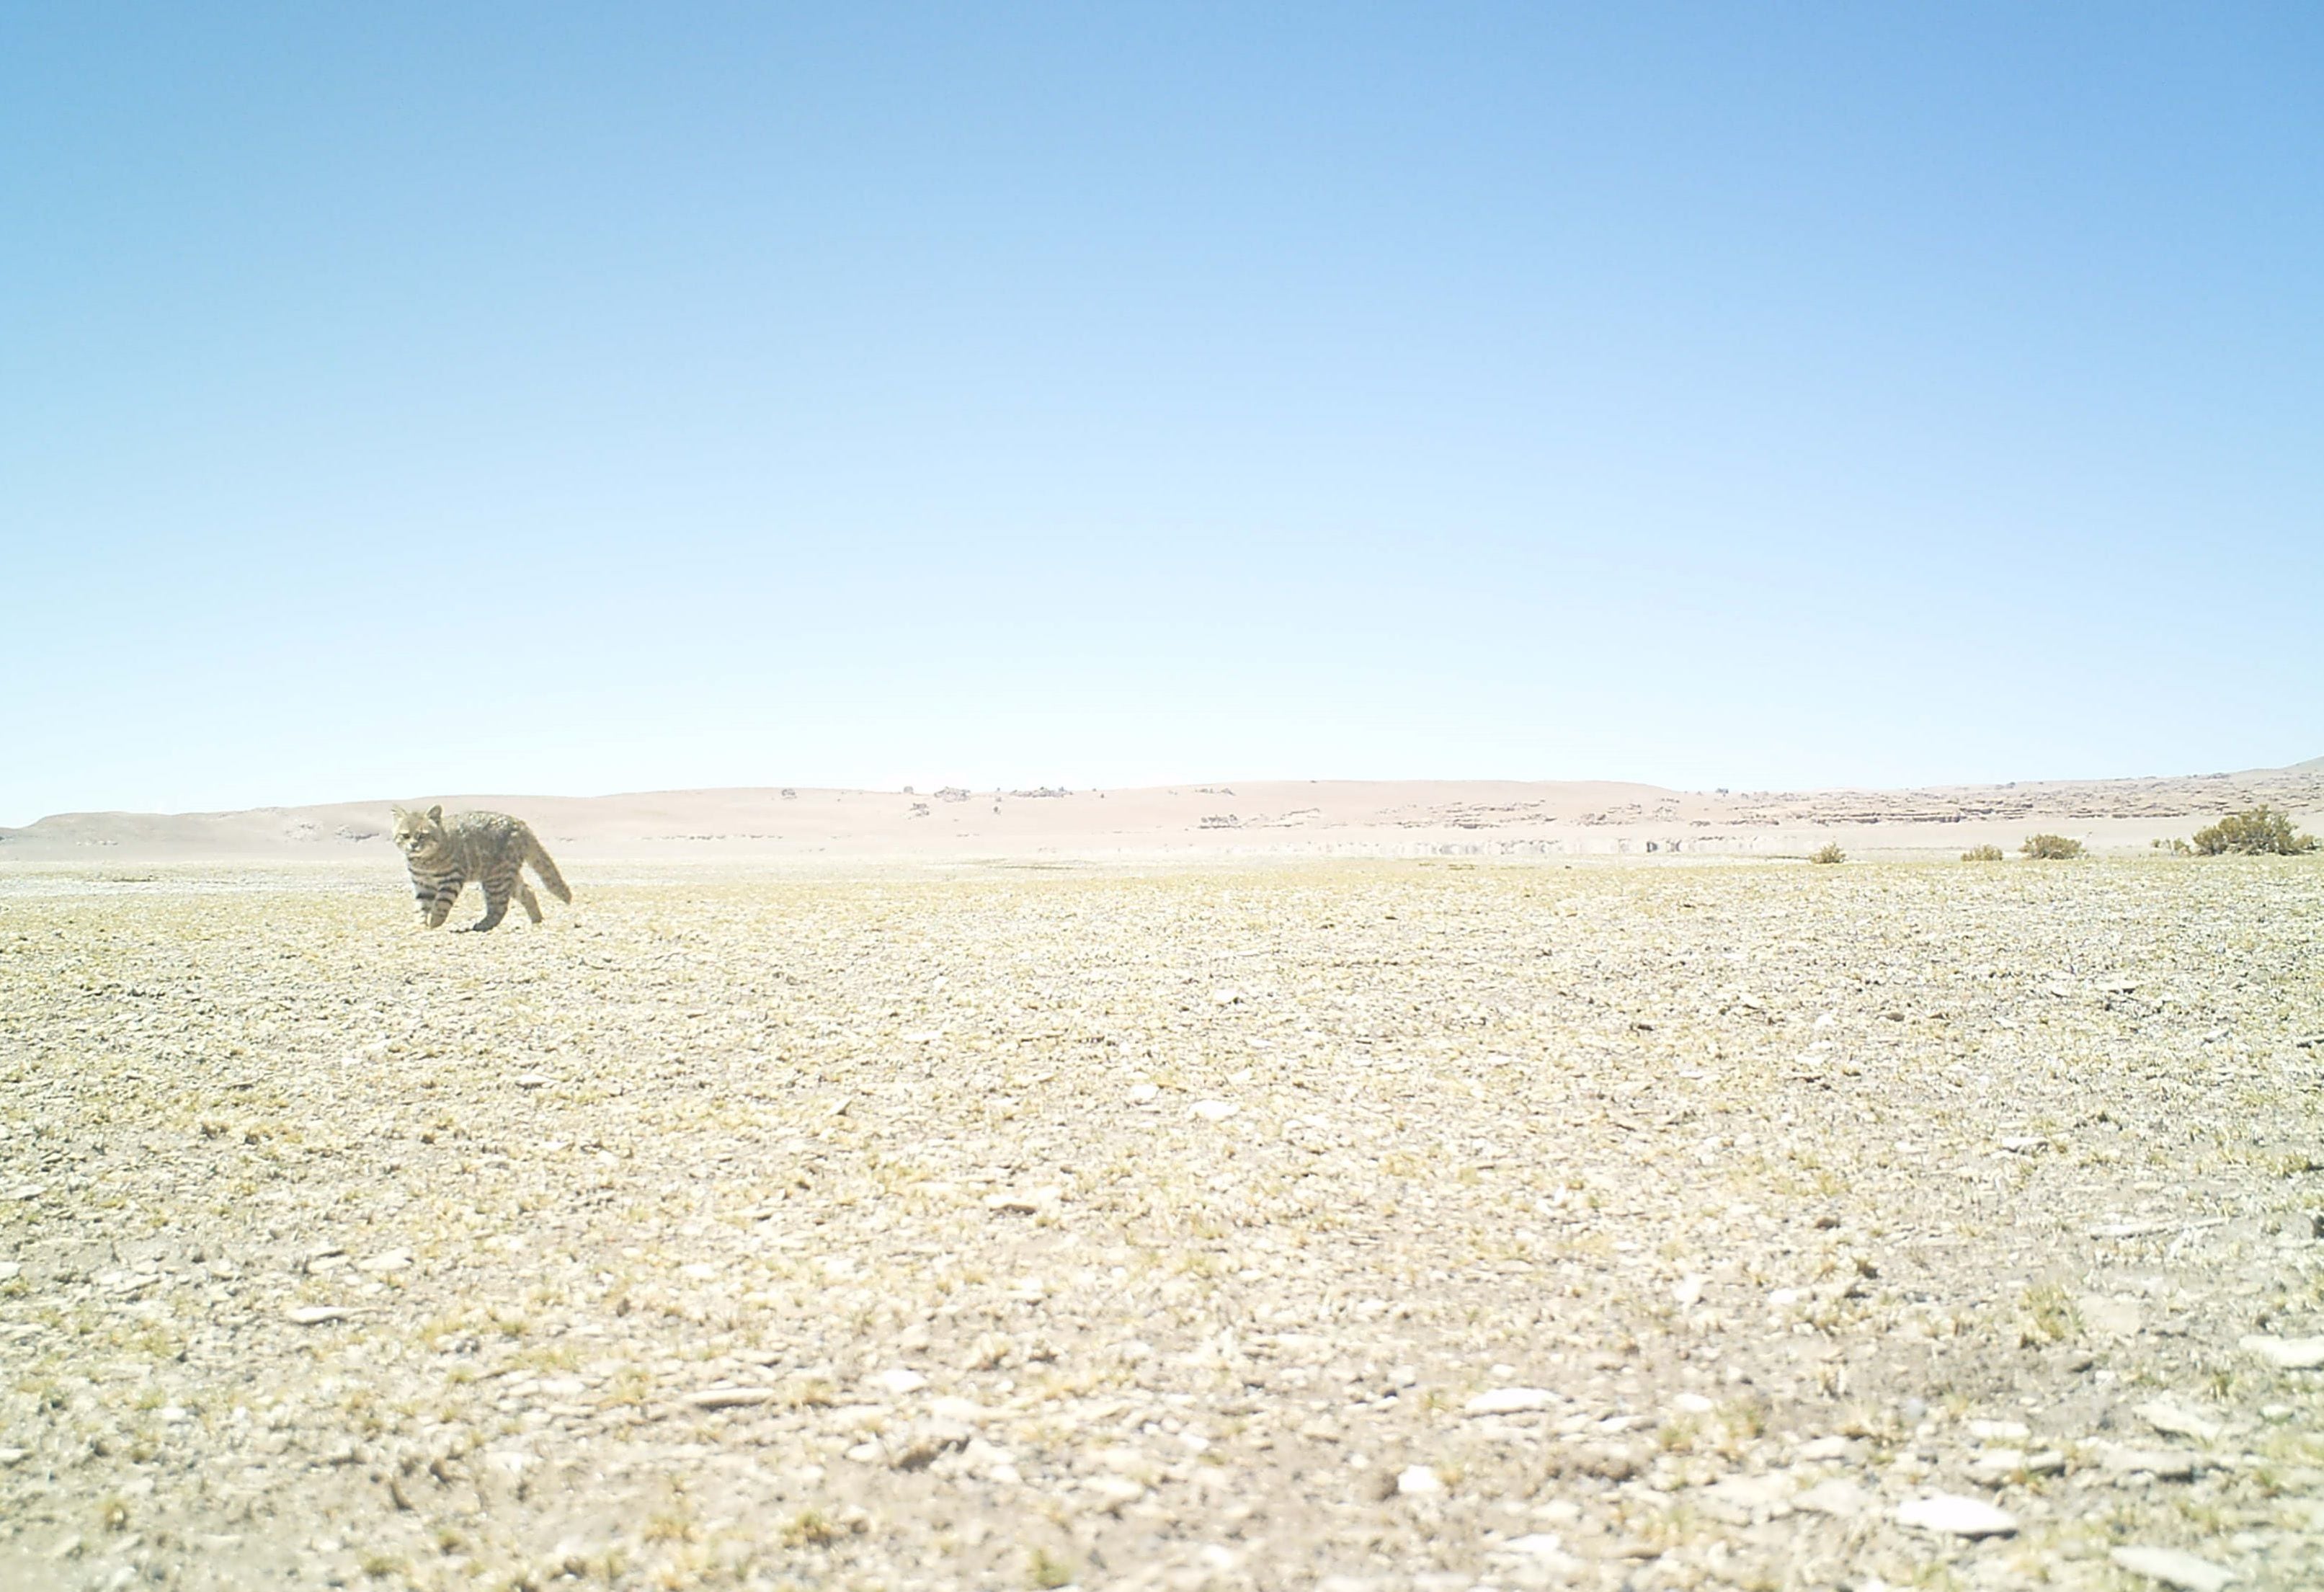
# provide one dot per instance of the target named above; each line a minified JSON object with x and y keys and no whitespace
{"x":536,"y":857}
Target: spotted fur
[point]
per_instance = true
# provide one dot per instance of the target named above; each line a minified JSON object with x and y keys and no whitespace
{"x":489,"y":847}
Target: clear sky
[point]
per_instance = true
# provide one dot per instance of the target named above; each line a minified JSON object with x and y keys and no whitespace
{"x":400,"y":399}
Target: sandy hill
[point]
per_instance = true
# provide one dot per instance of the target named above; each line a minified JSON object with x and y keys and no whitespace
{"x":1306,"y":816}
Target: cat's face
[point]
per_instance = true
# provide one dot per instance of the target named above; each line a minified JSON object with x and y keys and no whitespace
{"x":419,"y":832}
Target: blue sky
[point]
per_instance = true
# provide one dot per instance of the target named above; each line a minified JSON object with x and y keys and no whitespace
{"x":579,"y":399}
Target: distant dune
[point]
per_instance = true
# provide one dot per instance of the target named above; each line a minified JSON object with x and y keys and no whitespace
{"x":1478,"y":817}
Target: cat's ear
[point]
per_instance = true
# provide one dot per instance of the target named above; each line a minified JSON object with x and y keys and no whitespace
{"x":402,"y":812}
{"x":436,"y":814}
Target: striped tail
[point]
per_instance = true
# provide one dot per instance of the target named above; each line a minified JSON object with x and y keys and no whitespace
{"x":536,"y":854}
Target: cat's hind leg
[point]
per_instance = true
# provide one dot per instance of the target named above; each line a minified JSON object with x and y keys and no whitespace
{"x":498,"y":886}
{"x":528,"y":901}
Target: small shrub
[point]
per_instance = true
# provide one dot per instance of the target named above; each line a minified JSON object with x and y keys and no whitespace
{"x":1832,"y":853}
{"x":2261,"y":831}
{"x":1982,"y":853}
{"x":2176,"y":847}
{"x":2051,"y":847}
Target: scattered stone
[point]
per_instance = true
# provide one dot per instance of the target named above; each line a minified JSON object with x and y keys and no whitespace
{"x":2286,"y":1354}
{"x":1213,"y":1110}
{"x":965,"y":1411}
{"x":2109,"y":1318}
{"x":2163,"y":1464}
{"x":1511,"y":1401}
{"x":1999,"y":1431}
{"x":730,"y":1398}
{"x":1418,"y":1481}
{"x":898,"y":1381}
{"x":394,"y":1260}
{"x":1951,"y":1514}
{"x":316,"y":1315}
{"x":1112,"y":1494}
{"x":1691,"y":1403}
{"x":1836,"y":1496}
{"x":2172,"y":1420}
{"x":533,"y":1080}
{"x":1740,"y":1500}
{"x":2174,"y":1567}
{"x":1031,"y":1202}
{"x":1995,"y":1467}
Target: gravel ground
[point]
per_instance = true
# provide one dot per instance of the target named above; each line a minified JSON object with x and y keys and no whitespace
{"x":1401,"y":1227}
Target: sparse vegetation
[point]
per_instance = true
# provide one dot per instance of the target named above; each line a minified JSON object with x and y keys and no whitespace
{"x":2175,"y":847}
{"x":1982,"y":853}
{"x":1048,"y":1572}
{"x":1829,"y":853}
{"x":2051,"y":847}
{"x":2259,"y":832}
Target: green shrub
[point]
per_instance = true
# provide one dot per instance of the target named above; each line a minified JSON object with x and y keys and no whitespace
{"x":2176,"y":847}
{"x":2260,"y":831}
{"x":1832,"y":853}
{"x":2051,"y":847}
{"x":1982,"y":853}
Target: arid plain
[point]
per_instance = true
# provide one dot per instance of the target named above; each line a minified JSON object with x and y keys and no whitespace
{"x":1397,"y":1224}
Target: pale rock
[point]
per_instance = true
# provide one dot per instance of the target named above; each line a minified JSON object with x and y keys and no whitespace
{"x":2174,"y":1567}
{"x":1832,"y":1447}
{"x":1951,"y":1514}
{"x":1692,"y":1403}
{"x":1111,"y":1494}
{"x":9,"y":1270}
{"x":393,"y":1260}
{"x":2000,"y":1431}
{"x":315,"y":1315}
{"x":898,"y":1381}
{"x":1213,"y":1110}
{"x":1997,"y":1465}
{"x":2163,"y":1464}
{"x":2109,"y":1318}
{"x":1740,"y":1500}
{"x":2285,"y":1354}
{"x":1838,"y":1498}
{"x":2172,"y":1420}
{"x":1510,"y":1401}
{"x":730,"y":1398}
{"x":1026,"y":1202}
{"x":1540,"y":1548}
{"x":534,"y":1080}
{"x":1417,"y":1481}
{"x":1688,"y":1290}
{"x":1143,"y":1094}
{"x":966,"y":1412}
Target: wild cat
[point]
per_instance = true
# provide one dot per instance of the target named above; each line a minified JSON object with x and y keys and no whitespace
{"x":445,"y":853}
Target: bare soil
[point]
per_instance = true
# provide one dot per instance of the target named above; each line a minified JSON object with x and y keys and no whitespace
{"x":1398,"y":1227}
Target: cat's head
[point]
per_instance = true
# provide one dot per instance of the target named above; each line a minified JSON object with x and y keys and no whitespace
{"x":417,"y":833}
